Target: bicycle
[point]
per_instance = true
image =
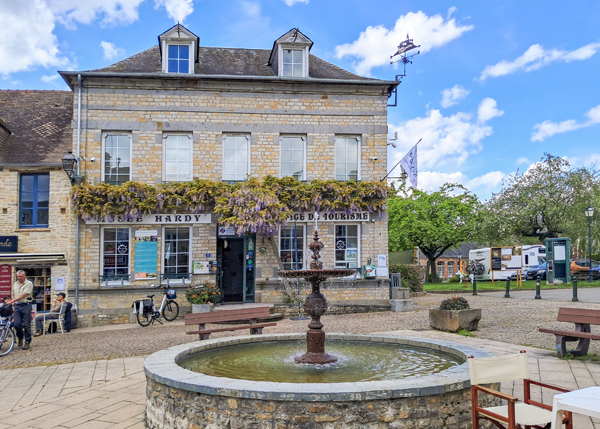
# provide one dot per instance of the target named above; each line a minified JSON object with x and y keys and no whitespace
{"x":147,"y":312}
{"x":475,"y":267}
{"x":7,"y":335}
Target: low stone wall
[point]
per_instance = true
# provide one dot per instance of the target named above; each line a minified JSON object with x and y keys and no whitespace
{"x":291,"y":310}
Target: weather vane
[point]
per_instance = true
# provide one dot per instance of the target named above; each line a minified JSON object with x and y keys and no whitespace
{"x":403,"y":48}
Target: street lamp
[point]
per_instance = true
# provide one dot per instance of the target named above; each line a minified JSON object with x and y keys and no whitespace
{"x":69,"y":162}
{"x":589,"y":213}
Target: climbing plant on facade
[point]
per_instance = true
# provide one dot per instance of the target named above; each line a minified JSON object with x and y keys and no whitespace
{"x":253,"y":206}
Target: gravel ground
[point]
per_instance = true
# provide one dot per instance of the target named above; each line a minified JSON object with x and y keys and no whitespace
{"x":507,"y":320}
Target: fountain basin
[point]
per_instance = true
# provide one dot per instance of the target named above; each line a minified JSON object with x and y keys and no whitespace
{"x":177,"y":397}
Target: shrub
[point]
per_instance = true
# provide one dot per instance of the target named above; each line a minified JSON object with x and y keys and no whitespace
{"x":456,"y":303}
{"x":454,"y":279}
{"x":204,"y":294}
{"x":410,"y":276}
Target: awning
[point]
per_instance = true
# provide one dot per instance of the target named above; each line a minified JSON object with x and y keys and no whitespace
{"x":33,"y":257}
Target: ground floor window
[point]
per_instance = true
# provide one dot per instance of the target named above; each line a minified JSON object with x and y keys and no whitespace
{"x":440,"y":269}
{"x":451,"y":270}
{"x":115,"y":257}
{"x":291,"y":247}
{"x":346,"y":246}
{"x":176,"y":245}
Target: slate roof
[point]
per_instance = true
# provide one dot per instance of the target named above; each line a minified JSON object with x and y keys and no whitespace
{"x":227,"y":61}
{"x":40,"y":122}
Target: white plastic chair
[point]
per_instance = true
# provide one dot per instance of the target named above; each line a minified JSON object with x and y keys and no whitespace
{"x":60,"y":320}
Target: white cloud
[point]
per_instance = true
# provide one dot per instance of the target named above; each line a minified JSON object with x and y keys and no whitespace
{"x":293,"y":2}
{"x":431,"y":181}
{"x":375,"y":45}
{"x":548,"y":128}
{"x":111,"y":51}
{"x":177,"y":10}
{"x":69,"y":12}
{"x":50,"y":78}
{"x":452,"y":96}
{"x":536,"y":57}
{"x":488,"y":110}
{"x":27,"y":37}
{"x":523,"y":160}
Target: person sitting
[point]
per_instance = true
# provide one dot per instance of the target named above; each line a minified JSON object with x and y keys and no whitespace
{"x":55,"y":312}
{"x":5,"y":308}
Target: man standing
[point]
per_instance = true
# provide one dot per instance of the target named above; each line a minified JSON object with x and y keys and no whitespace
{"x":57,"y":309}
{"x":22,"y":290}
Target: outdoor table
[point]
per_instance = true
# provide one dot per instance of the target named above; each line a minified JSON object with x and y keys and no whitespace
{"x":584,"y":401}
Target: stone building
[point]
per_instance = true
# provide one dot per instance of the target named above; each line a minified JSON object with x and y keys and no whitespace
{"x":35,"y":133}
{"x":181,"y":112}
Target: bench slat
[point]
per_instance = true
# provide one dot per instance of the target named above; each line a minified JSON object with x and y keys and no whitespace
{"x":227,"y":315}
{"x":578,"y":315}
{"x":231,"y":328}
{"x":574,"y":334}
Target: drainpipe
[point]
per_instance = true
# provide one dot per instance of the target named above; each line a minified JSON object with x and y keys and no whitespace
{"x":78,"y":173}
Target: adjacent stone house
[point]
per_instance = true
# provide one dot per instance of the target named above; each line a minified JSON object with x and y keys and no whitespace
{"x":35,"y":226}
{"x":181,"y":112}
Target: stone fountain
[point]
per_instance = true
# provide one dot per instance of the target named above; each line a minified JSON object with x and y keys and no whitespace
{"x":316,"y":304}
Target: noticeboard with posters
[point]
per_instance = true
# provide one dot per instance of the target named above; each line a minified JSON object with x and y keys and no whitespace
{"x":506,"y":258}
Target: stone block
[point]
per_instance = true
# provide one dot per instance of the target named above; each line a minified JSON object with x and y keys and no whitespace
{"x":400,"y":293}
{"x":402,"y":305}
{"x":454,"y":320}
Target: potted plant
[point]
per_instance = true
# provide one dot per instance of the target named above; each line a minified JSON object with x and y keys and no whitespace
{"x":203,"y":297}
{"x":454,"y":315}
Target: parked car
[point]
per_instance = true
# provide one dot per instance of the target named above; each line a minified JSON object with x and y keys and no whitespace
{"x":595,"y":273}
{"x":534,"y":272}
{"x":582,"y":264}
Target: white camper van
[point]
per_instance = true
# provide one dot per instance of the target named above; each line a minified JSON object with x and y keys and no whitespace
{"x":506,"y":260}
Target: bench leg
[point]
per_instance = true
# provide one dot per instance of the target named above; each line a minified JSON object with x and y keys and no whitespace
{"x":582,"y":347}
{"x":254,"y":331}
{"x":203,"y":336}
{"x":561,"y":346}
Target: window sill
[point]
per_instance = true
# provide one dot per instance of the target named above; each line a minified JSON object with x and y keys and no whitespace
{"x":42,"y":229}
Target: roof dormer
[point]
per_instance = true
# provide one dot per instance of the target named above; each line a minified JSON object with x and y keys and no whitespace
{"x":289,"y":57}
{"x":178,"y":50}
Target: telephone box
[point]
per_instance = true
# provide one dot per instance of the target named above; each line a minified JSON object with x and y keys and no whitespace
{"x":558,"y":252}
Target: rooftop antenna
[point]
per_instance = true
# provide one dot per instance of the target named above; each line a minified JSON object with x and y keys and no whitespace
{"x":403,"y":48}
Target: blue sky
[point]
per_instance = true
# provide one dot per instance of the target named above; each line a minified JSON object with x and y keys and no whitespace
{"x":497,"y":83}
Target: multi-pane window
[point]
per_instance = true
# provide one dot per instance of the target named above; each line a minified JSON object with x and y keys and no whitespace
{"x":291,"y":247}
{"x":176,"y":251}
{"x":236,"y":153}
{"x":292,"y":157}
{"x":346,"y":246}
{"x":115,"y":253}
{"x":178,"y":59}
{"x":440,"y":269}
{"x":117,"y":158}
{"x":451,"y":271}
{"x":34,"y":194}
{"x":178,"y":165}
{"x":346,"y":158}
{"x":293,"y":64}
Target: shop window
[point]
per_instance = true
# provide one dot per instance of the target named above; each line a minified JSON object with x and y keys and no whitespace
{"x":177,"y":157}
{"x":34,"y":196}
{"x":176,"y":253}
{"x":178,"y":59}
{"x":117,"y":158}
{"x":293,"y":63}
{"x":236,"y":157}
{"x":115,"y":254}
{"x":347,"y":155}
{"x":291,"y":247}
{"x":451,"y":271}
{"x":440,"y":269}
{"x":293,"y":157}
{"x":346,"y":246}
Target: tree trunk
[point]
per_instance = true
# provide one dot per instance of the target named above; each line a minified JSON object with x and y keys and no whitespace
{"x":432,"y":266}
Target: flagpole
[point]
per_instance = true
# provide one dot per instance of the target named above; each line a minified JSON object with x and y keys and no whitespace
{"x":390,"y":172}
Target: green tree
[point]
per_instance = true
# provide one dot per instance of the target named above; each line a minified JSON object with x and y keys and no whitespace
{"x":434,"y":222}
{"x":546,"y":201}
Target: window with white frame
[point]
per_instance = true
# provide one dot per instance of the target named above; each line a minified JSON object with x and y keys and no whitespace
{"x":115,"y":253}
{"x":293,"y":62}
{"x":116,"y":158}
{"x":178,"y":58}
{"x":346,"y":246}
{"x":291,"y":247}
{"x":236,"y":157}
{"x":440,"y":269}
{"x":347,"y":155}
{"x":293,"y":157}
{"x":451,"y":271}
{"x":176,"y":250}
{"x":177,"y":157}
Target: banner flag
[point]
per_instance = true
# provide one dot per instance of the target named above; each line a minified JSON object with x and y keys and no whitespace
{"x":409,"y":164}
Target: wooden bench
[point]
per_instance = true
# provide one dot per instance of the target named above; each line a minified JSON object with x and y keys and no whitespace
{"x":582,"y":319}
{"x":252,"y":314}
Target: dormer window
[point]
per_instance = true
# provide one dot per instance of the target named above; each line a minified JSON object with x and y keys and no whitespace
{"x":179,"y":50}
{"x":178,"y":59}
{"x":290,"y":54}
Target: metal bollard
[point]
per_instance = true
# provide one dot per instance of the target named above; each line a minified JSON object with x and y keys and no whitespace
{"x":575,"y":291}
{"x":537,"y":290}
{"x":507,"y":294}
{"x":474,"y":287}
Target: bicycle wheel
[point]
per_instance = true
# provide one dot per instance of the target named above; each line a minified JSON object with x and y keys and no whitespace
{"x":144,"y":319}
{"x":171,"y":311}
{"x":7,"y":340}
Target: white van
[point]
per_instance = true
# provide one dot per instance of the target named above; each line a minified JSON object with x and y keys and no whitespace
{"x":531,"y":256}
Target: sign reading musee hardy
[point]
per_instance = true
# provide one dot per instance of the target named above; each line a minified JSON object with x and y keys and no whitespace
{"x":329,"y":217}
{"x":9,"y":244}
{"x":153,"y":219}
